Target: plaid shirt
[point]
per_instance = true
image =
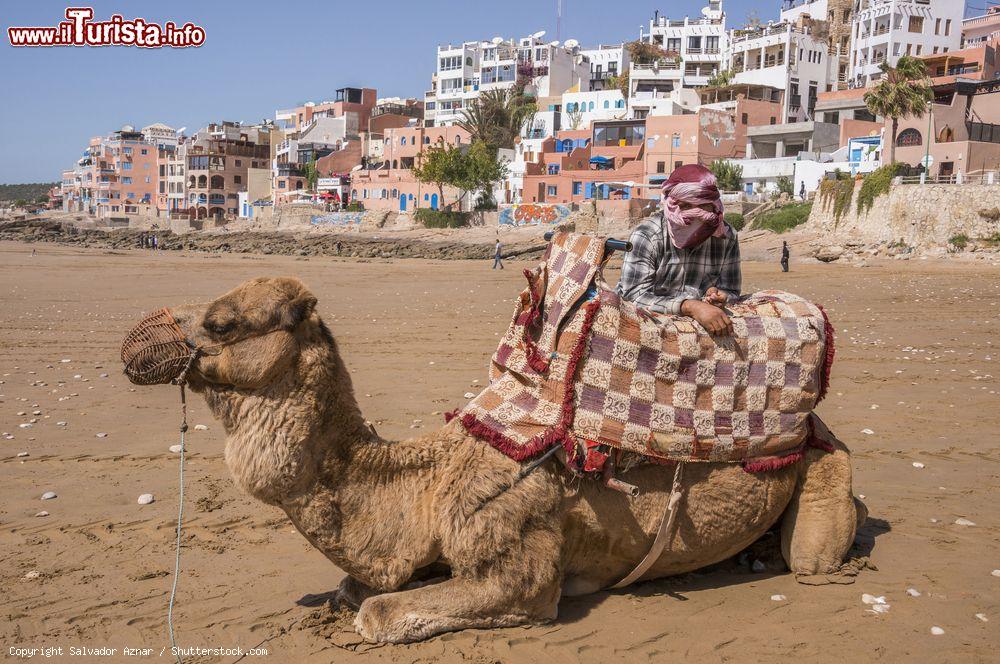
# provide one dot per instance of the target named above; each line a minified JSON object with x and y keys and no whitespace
{"x":658,"y":276}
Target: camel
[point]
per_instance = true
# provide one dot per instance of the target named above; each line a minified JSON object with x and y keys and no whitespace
{"x":430,"y":535}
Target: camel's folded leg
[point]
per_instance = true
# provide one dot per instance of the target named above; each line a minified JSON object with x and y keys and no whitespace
{"x":819,"y":525}
{"x":353,"y":592}
{"x":412,"y":615}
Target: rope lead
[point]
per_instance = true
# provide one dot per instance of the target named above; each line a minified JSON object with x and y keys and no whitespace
{"x":180,"y":520}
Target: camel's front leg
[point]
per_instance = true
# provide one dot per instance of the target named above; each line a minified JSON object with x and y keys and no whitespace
{"x":353,"y":592}
{"x":412,"y":615}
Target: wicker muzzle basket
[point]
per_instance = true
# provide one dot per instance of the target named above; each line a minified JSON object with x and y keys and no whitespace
{"x":155,"y":351}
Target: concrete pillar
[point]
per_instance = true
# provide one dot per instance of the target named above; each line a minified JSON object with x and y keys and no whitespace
{"x":779,"y":148}
{"x":749,"y":154}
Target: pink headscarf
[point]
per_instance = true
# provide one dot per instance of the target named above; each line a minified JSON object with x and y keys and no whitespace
{"x":692,"y":184}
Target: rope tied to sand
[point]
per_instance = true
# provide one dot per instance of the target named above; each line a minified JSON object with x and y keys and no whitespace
{"x":180,"y":521}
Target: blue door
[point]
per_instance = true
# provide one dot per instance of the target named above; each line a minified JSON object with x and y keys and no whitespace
{"x":434,"y":201}
{"x":402,"y":203}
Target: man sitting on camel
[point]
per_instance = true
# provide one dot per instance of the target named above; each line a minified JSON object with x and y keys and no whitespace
{"x":686,"y":260}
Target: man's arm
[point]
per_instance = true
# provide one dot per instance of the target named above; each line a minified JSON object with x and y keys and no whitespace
{"x":730,"y":274}
{"x":639,"y":275}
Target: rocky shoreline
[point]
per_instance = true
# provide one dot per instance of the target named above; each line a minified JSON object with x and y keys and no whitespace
{"x":260,"y":242}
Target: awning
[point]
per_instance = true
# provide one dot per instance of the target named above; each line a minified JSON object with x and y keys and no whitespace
{"x":600,"y":160}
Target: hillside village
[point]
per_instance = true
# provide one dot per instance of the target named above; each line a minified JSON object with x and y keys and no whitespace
{"x":781,"y":101}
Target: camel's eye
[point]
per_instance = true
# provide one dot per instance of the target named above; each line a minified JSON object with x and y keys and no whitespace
{"x":219,"y":329}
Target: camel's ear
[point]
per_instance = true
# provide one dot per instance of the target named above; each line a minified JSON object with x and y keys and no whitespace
{"x":298,"y":310}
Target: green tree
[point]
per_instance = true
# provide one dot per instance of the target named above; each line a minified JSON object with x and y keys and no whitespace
{"x":497,"y":117}
{"x":312,"y":175}
{"x":785,"y":185}
{"x":436,"y":165}
{"x":483,"y":170}
{"x":622,"y":82}
{"x":721,"y":78}
{"x":728,"y":175}
{"x":20,"y":203}
{"x":902,"y":92}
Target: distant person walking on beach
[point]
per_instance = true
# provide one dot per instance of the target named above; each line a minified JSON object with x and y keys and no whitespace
{"x":497,"y":256}
{"x":156,"y":243}
{"x":784,"y":256}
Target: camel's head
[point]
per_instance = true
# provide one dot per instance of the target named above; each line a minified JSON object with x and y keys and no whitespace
{"x":247,"y":339}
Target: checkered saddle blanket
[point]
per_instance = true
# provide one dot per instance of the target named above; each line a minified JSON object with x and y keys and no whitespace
{"x":579,"y":367}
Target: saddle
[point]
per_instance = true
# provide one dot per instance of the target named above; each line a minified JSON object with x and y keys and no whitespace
{"x":583,"y":369}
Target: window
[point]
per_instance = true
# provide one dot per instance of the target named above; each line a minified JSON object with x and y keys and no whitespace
{"x":402,"y":140}
{"x":661,"y":167}
{"x":551,"y":190}
{"x":743,"y":119}
{"x":281,"y":184}
{"x":909,"y":138}
{"x":937,"y":26}
{"x":947,"y":27}
{"x":677,"y":140}
{"x":577,"y":188}
{"x":450,"y":63}
{"x":916,"y":24}
{"x":458,"y":140}
{"x":126,"y":166}
{"x":127,"y":150}
{"x":148,"y":180}
{"x":144,"y":151}
{"x":619,"y":135}
{"x":237,"y":179}
{"x":553,"y":169}
{"x":607,"y":104}
{"x":620,"y":103}
{"x":773,"y":120}
{"x":240,"y":163}
{"x":590,"y":106}
{"x":126,"y":180}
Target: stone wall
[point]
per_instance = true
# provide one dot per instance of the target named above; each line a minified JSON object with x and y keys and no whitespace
{"x":918,"y":215}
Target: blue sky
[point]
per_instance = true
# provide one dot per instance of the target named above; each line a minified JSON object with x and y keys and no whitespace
{"x":259,"y":56}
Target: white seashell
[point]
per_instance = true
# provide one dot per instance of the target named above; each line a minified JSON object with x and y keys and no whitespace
{"x":145,"y":499}
{"x":964,"y":522}
{"x":102,"y":435}
{"x":982,"y":616}
{"x":200,"y":427}
{"x":48,"y":495}
{"x":60,"y":424}
{"x":936,"y":631}
{"x":917,"y":464}
{"x":175,"y":449}
{"x":469,"y":395}
{"x":66,"y":360}
{"x":26,"y":425}
{"x":778,"y":598}
{"x":42,"y":513}
{"x":880,"y":608}
{"x":872,"y":599}
{"x":33,"y":574}
{"x":913,"y":592}
{"x":22,"y":454}
{"x":995,"y":572}
{"x":867,"y":432}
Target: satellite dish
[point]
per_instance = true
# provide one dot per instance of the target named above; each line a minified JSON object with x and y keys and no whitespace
{"x":554,"y":42}
{"x":497,"y":41}
{"x":571,"y":43}
{"x":128,"y":128}
{"x":538,"y":35}
{"x":180,"y":131}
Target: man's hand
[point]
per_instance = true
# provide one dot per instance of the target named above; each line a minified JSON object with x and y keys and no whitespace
{"x":714,"y":296}
{"x":711,"y":317}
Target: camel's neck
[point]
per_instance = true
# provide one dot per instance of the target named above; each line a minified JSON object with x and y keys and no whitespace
{"x":279,"y":437}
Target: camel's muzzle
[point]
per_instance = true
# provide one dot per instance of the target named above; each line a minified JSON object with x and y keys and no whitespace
{"x":156,"y":351}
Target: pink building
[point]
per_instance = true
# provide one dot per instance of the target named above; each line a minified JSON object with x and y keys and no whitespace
{"x":390,"y":185}
{"x":124,"y":169}
{"x":981,"y":30}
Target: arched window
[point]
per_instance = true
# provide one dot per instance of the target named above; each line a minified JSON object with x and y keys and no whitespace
{"x":354,"y":194}
{"x":395,"y":193}
{"x":620,"y":103}
{"x":607,"y":104}
{"x":908,"y":138}
{"x":394,"y":166}
{"x":591,"y":106}
{"x":402,"y":140}
{"x":458,"y":140}
{"x":468,"y":61}
{"x":946,"y":135}
{"x":385,"y":194}
{"x":427,"y":140}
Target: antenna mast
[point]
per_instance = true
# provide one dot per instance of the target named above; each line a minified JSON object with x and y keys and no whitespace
{"x":558,"y":19}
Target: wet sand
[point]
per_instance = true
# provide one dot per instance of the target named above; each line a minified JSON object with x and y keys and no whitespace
{"x":916,"y":365}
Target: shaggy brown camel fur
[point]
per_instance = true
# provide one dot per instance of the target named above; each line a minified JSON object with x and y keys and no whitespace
{"x":390,"y":513}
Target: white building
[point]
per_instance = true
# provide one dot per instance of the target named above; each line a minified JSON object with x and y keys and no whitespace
{"x":787,"y":57}
{"x":694,"y":51}
{"x":606,"y":62}
{"x":160,"y":135}
{"x":547,"y":69}
{"x":885,"y":30}
{"x":579,"y":109}
{"x":983,"y":29}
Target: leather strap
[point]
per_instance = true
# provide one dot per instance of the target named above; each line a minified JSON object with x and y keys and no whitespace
{"x":663,"y":535}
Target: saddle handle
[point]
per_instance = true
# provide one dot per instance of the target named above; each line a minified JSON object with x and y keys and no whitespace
{"x":610,"y":244}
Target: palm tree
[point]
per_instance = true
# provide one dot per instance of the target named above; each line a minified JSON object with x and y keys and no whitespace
{"x":497,"y":117}
{"x":903,"y":92}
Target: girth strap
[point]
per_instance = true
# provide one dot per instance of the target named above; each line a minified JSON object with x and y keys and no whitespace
{"x":663,"y":536}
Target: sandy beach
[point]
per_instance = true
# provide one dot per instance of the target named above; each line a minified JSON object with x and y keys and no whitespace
{"x":914,"y":395}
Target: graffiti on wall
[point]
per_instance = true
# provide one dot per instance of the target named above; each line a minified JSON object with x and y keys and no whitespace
{"x":337,"y":219}
{"x":532,"y":214}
